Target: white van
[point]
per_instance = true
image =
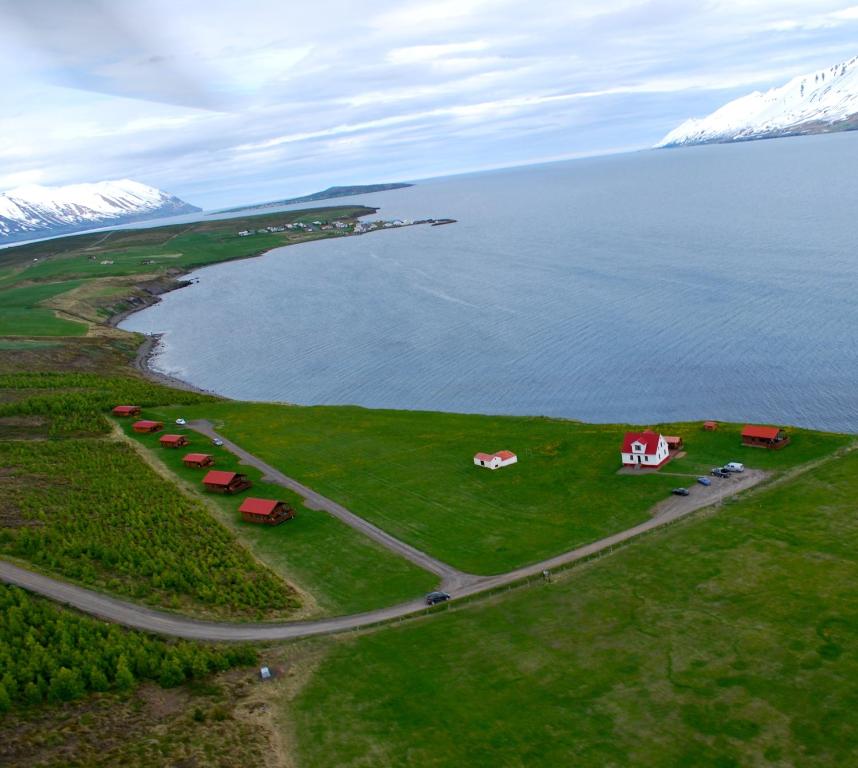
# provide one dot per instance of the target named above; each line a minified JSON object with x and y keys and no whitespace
{"x":734,"y":466}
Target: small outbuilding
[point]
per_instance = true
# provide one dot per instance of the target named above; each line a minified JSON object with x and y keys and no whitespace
{"x":126,"y":410}
{"x":218,"y":481}
{"x":495,"y":460}
{"x":645,"y":449}
{"x":710,"y":426}
{"x":674,"y":442}
{"x":174,"y":441}
{"x":198,"y":460}
{"x":145,"y":426}
{"x":265,"y":511}
{"x":755,"y":436}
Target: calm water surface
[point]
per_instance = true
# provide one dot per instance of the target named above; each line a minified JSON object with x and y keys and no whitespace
{"x":715,"y":282}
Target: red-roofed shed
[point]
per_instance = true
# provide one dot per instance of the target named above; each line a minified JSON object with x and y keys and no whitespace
{"x":219,"y":481}
{"x":173,"y":441}
{"x":126,"y":410}
{"x":756,"y":436}
{"x":710,"y":426}
{"x":146,"y":426}
{"x":265,"y":511}
{"x":198,"y":460}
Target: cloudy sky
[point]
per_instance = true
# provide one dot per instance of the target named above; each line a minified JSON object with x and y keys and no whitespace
{"x":225,"y":102}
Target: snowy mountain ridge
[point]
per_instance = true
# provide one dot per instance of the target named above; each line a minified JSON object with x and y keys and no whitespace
{"x":820,"y":102}
{"x":38,"y":211}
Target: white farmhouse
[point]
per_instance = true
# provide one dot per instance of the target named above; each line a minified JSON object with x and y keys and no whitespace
{"x":495,"y":460}
{"x":644,"y":449}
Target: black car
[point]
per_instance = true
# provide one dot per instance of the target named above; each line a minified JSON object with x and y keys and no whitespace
{"x":433,"y":598}
{"x":720,"y":473}
{"x":680,"y":491}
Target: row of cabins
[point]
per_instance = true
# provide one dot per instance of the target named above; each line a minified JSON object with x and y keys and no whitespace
{"x":253,"y":510}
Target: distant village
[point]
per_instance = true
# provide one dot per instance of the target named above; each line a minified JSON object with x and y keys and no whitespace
{"x":358,"y":228}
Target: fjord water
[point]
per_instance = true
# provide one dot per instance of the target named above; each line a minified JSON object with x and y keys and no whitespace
{"x":705,"y":282}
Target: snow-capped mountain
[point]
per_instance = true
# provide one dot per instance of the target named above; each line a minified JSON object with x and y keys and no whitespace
{"x":35,"y":211}
{"x":820,"y":102}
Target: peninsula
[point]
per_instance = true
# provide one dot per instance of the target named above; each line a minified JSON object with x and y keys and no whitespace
{"x":325,"y":194}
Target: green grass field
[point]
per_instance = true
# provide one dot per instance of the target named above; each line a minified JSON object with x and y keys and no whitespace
{"x":342,"y":570}
{"x":411,"y":473}
{"x":21,"y":315}
{"x":727,"y":640}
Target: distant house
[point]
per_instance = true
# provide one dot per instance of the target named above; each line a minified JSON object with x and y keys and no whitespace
{"x":245,"y":233}
{"x":265,"y":511}
{"x":126,"y":410}
{"x":198,"y":460}
{"x":173,"y":441}
{"x":644,"y":449}
{"x":674,"y":442}
{"x":495,"y":460}
{"x":755,"y":436}
{"x":218,"y":481}
{"x":710,"y":426}
{"x":146,"y":426}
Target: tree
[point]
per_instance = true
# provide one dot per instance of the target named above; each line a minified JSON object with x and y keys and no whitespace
{"x":65,"y":685}
{"x":5,"y":699}
{"x":172,"y":674}
{"x":123,"y":679}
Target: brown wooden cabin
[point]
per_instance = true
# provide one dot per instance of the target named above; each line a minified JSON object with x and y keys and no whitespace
{"x":147,"y":426}
{"x":265,"y":511}
{"x":126,"y":410}
{"x":174,"y":441}
{"x":198,"y":460}
{"x":218,"y":481}
{"x":674,"y":443}
{"x":710,"y":426}
{"x":772,"y":438}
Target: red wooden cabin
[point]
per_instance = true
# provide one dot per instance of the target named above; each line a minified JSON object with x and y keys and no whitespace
{"x":173,"y":441}
{"x":265,"y":511}
{"x":126,"y":410}
{"x":219,"y":481}
{"x":674,"y":442}
{"x":198,"y":460}
{"x":710,"y":426}
{"x":147,"y":426}
{"x":756,"y":436}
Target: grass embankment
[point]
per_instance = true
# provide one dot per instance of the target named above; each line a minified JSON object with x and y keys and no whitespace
{"x":68,"y":286}
{"x":344,"y":571}
{"x":412,"y":474}
{"x":729,"y":640}
{"x":92,"y":512}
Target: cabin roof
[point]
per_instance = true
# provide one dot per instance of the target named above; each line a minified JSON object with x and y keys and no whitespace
{"x":196,"y":456}
{"x":648,"y":438}
{"x":146,"y":423}
{"x":761,"y":433}
{"x":258,"y":506}
{"x":219,"y":477}
{"x":171,"y":438}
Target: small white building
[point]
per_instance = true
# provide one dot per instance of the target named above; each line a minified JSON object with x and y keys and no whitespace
{"x":495,"y":460}
{"x":245,"y":233}
{"x":644,"y":449}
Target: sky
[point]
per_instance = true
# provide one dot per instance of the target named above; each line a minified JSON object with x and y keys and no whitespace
{"x":225,"y":103}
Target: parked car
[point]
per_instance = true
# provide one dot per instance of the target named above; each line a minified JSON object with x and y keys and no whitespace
{"x":680,"y":491}
{"x":433,"y":598}
{"x":704,"y":481}
{"x":217,"y":441}
{"x":734,"y":466}
{"x":717,"y":472}
{"x":181,"y":422}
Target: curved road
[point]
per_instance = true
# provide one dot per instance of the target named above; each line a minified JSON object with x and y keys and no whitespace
{"x":147,"y":619}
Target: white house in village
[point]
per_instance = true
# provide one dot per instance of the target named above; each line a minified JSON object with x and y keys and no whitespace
{"x":644,"y":449}
{"x":495,"y":460}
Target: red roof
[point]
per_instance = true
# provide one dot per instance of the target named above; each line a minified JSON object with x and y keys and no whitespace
{"x":146,"y":424}
{"x":218,"y":477}
{"x":258,"y":506}
{"x":504,"y":455}
{"x":484,"y":456}
{"x":126,"y":408}
{"x":648,"y":438}
{"x":196,"y":457}
{"x":171,"y":438}
{"x":761,"y":433}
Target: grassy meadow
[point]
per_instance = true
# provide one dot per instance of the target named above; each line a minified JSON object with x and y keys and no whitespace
{"x":339,"y":570}
{"x":412,"y":474}
{"x":727,"y":640}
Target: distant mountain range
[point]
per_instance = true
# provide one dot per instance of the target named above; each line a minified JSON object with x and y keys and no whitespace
{"x":325,"y":194}
{"x":821,"y":102}
{"x":34,"y":211}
